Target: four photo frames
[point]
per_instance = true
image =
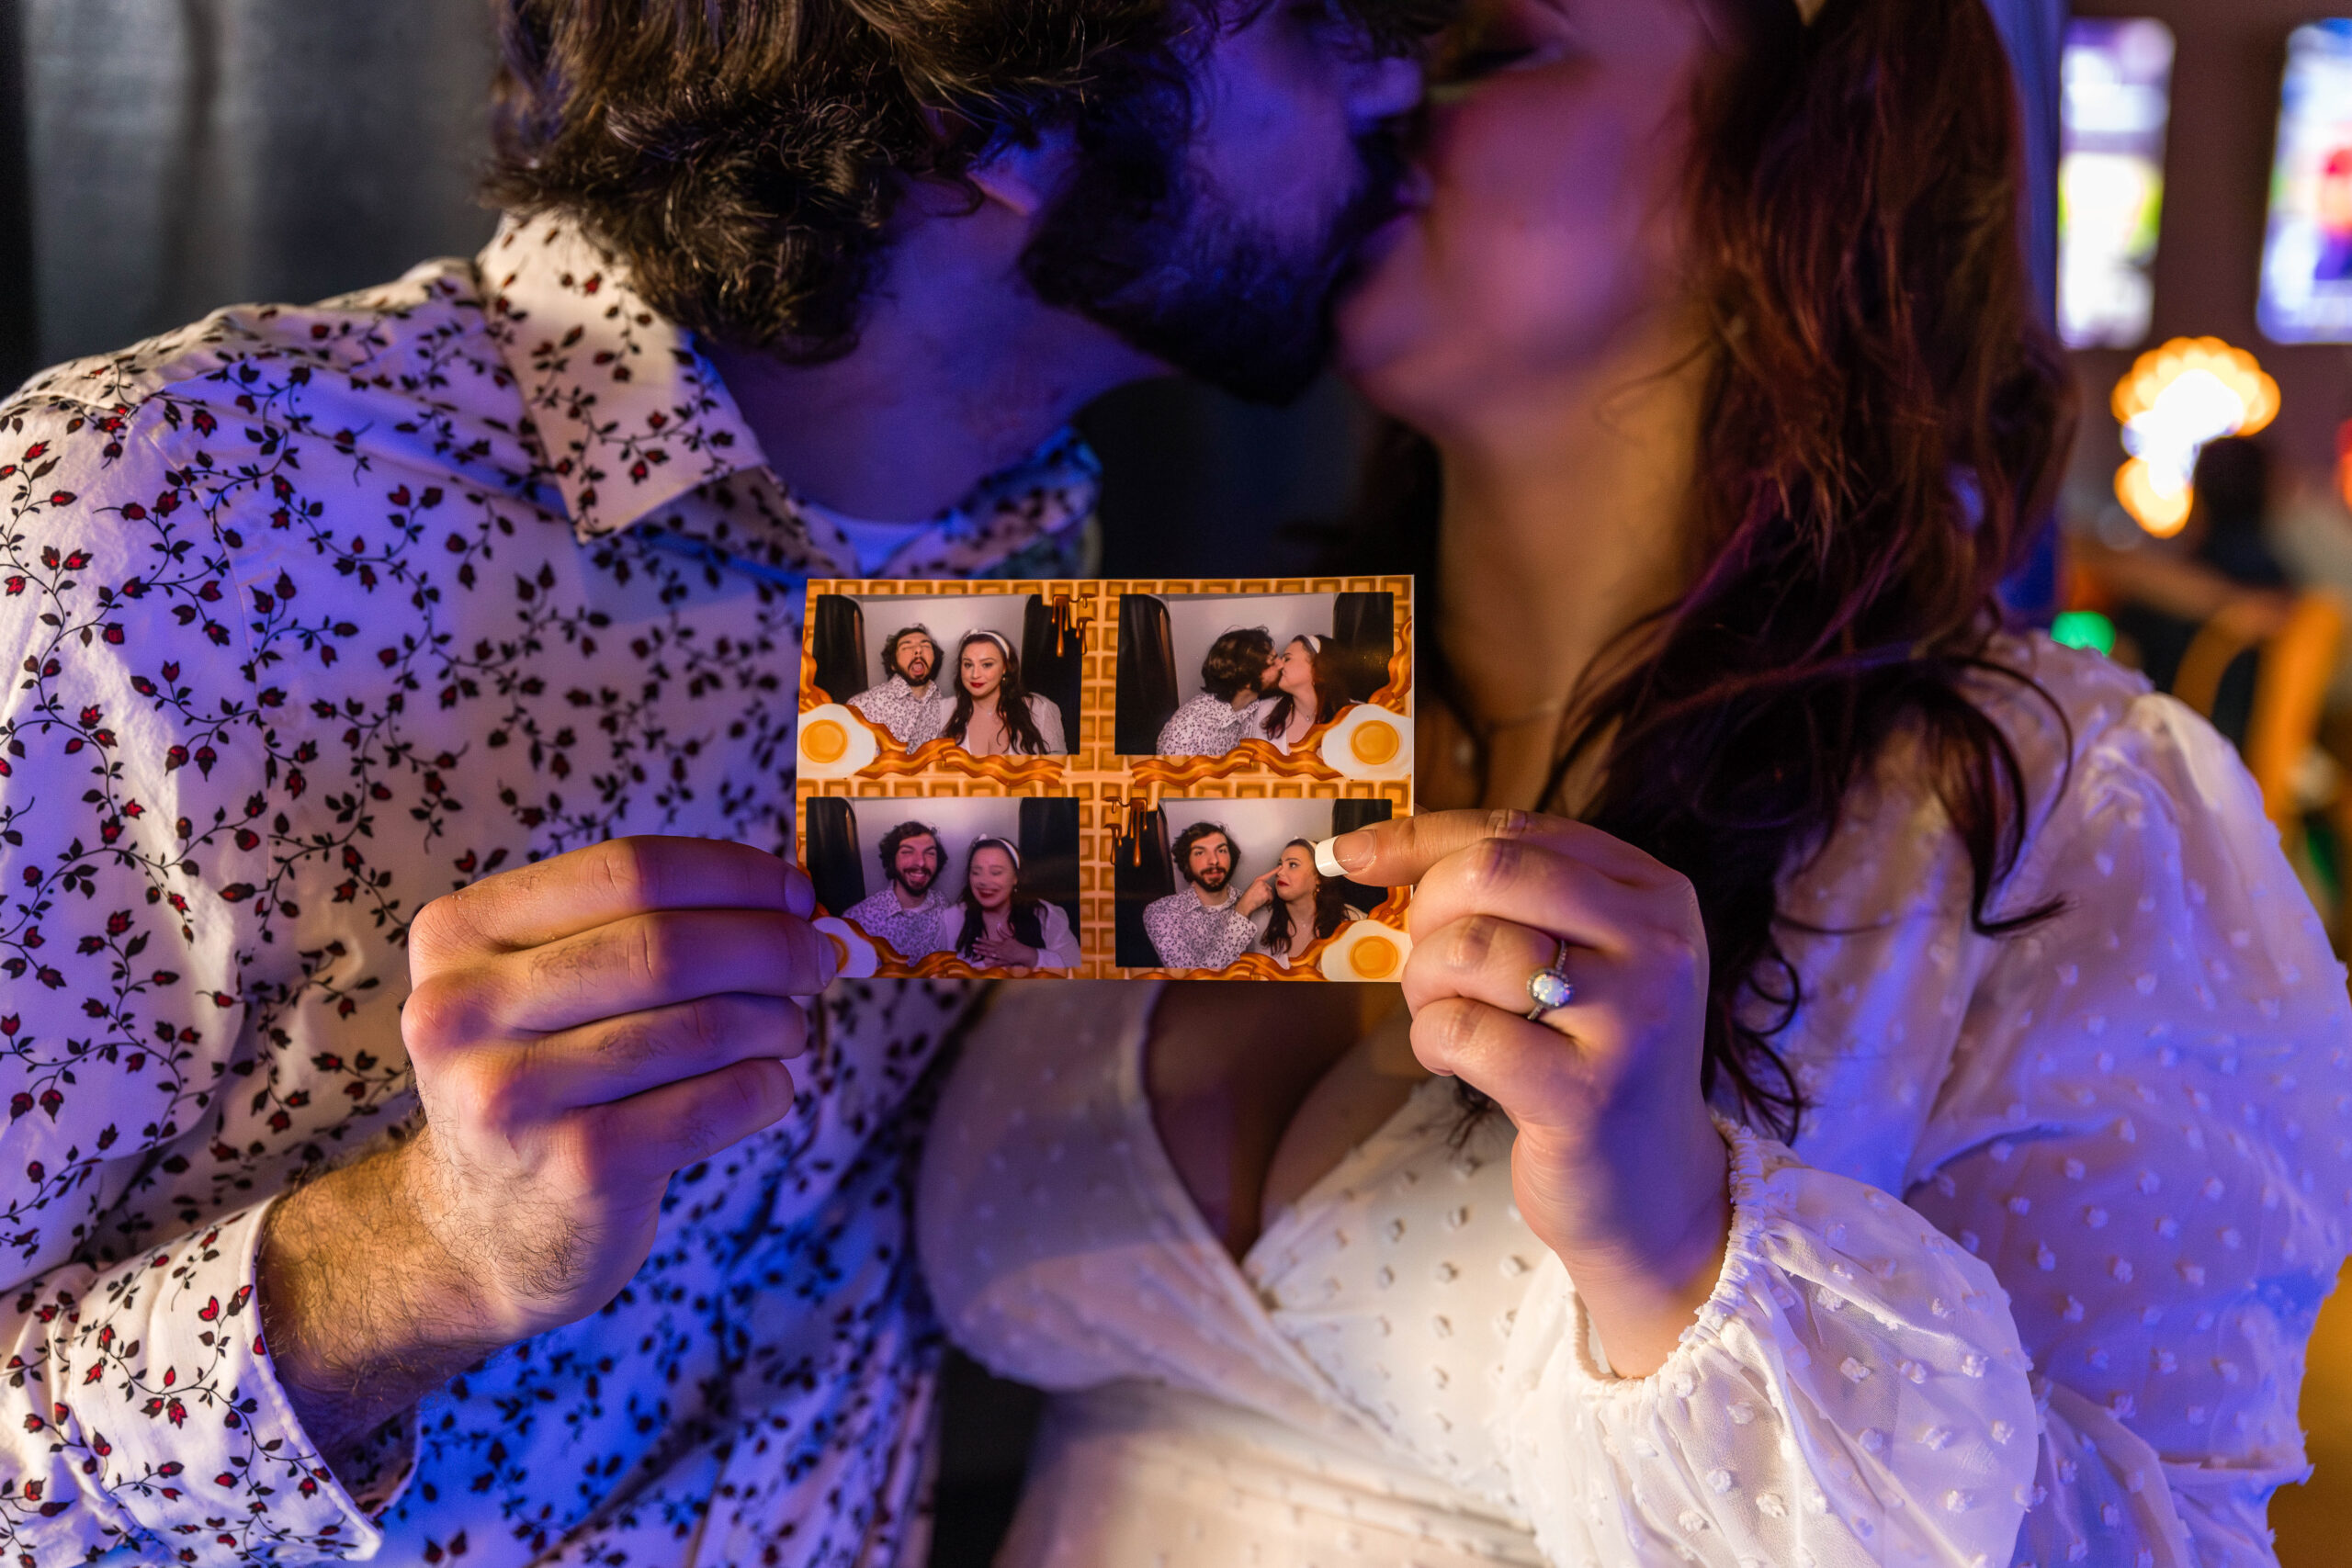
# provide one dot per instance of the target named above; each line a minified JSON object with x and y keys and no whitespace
{"x":1089,"y":779}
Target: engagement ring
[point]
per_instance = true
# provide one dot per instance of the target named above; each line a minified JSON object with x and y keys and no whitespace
{"x":1550,"y":988}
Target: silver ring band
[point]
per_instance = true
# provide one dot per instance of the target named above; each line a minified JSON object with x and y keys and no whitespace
{"x":1550,"y":988}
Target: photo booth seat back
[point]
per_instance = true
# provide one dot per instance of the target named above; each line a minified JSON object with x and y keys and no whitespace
{"x":840,"y":648}
{"x":1054,"y":667}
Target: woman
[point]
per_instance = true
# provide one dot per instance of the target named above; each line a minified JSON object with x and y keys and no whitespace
{"x":1232,"y":678}
{"x":1897,"y":1077}
{"x":1307,"y":905}
{"x":993,"y":927}
{"x":1307,"y":692}
{"x":995,"y":715}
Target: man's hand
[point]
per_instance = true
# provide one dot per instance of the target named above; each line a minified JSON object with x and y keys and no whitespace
{"x":581,"y":1030}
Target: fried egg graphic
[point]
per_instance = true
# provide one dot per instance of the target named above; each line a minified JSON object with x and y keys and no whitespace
{"x":859,"y":959}
{"x":1367,"y":951}
{"x":836,"y":743}
{"x":1369,"y":742}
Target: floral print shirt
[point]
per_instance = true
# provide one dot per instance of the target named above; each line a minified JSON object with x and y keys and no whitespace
{"x":912,"y":716}
{"x":914,"y":933}
{"x":1189,"y":934}
{"x":315,"y":614}
{"x":1205,"y":726}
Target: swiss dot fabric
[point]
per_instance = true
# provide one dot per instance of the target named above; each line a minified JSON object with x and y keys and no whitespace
{"x":2122,"y":1140}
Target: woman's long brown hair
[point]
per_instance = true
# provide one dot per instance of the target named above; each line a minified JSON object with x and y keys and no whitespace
{"x":1021,"y":732}
{"x":1330,"y":691}
{"x":1882,"y":435}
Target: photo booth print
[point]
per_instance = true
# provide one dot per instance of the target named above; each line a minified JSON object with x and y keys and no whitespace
{"x":1163,"y":639}
{"x":1144,"y":866}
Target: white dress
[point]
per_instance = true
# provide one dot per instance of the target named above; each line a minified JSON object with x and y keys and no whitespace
{"x":1060,"y":949}
{"x":2121,"y":1142}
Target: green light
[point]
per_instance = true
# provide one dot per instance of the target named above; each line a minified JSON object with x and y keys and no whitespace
{"x":2083,"y":628}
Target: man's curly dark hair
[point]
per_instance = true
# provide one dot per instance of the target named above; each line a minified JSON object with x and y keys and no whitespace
{"x":745,"y":158}
{"x":1236,"y":662}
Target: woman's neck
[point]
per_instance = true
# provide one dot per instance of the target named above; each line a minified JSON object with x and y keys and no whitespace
{"x":984,"y":704}
{"x":1566,"y":520}
{"x":1302,"y":920}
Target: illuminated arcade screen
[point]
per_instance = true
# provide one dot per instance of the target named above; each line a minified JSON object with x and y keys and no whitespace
{"x":2307,"y":261}
{"x":2118,"y":76}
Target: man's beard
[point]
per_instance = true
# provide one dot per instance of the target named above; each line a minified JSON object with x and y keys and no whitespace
{"x":906,"y":879}
{"x":1138,"y":243}
{"x":1213,"y":877}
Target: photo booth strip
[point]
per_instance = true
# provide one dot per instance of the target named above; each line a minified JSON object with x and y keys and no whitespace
{"x":1362,"y":754}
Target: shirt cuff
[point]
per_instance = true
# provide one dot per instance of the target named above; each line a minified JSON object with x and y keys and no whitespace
{"x":169,"y":1379}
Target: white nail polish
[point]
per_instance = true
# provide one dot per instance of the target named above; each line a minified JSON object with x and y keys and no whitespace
{"x":1327,"y":863}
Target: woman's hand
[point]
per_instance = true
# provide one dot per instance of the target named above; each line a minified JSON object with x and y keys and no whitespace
{"x":1257,"y":896}
{"x":1003,"y":953}
{"x":1618,"y":1166}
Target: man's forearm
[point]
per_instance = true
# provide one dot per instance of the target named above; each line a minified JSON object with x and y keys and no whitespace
{"x":359,"y":1308}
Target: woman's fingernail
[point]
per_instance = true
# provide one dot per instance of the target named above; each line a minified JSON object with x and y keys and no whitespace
{"x":1345,"y":855}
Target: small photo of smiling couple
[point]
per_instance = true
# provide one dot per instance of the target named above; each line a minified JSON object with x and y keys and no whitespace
{"x":990,"y":885}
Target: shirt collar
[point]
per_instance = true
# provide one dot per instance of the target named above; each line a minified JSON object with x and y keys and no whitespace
{"x":632,"y":417}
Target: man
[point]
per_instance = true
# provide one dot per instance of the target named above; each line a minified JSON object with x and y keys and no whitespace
{"x":906,"y":912}
{"x":1233,"y":677}
{"x":1209,"y":924}
{"x":365,"y":1218}
{"x":909,"y":704}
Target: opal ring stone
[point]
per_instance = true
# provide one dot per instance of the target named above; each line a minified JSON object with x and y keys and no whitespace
{"x":1550,"y":988}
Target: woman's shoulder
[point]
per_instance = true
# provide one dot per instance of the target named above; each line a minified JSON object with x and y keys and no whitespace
{"x":2073,"y":724}
{"x":2086,"y":733}
{"x":2060,"y":707}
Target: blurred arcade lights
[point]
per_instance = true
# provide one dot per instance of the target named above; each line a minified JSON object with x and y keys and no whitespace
{"x":2176,"y":400}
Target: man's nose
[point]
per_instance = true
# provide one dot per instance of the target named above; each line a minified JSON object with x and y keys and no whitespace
{"x":1385,"y":88}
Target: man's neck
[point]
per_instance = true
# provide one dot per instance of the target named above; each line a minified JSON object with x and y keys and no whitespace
{"x":960,"y":370}
{"x":1209,"y":900}
{"x":908,"y":901}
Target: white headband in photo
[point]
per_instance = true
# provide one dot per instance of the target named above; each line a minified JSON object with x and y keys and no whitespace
{"x":1005,"y":844}
{"x":996,"y":638}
